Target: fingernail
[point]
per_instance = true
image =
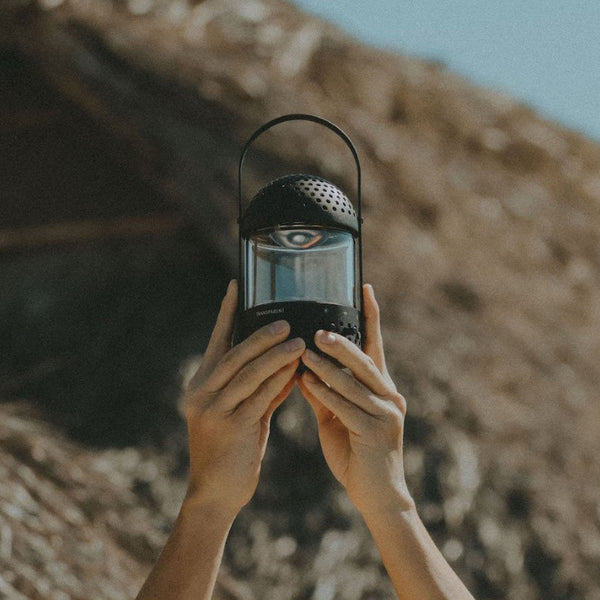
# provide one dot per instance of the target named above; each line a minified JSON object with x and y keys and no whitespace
{"x":325,"y":337}
{"x":294,"y":344}
{"x":312,"y":356}
{"x":278,"y":327}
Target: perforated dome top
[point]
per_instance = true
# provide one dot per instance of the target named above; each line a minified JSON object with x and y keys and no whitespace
{"x":299,"y":200}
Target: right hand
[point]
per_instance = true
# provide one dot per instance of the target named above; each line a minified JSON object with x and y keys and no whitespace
{"x":228,"y":407}
{"x":360,"y":415}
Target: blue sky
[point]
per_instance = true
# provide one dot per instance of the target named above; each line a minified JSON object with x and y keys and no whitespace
{"x":543,"y":52}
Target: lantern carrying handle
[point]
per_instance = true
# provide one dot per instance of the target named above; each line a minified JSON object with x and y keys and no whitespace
{"x":301,"y":117}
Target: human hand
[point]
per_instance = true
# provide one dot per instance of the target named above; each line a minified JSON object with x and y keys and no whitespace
{"x":228,"y":407}
{"x":360,"y":415}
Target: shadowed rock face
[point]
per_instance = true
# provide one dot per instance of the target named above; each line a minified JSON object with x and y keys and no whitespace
{"x":481,"y":239}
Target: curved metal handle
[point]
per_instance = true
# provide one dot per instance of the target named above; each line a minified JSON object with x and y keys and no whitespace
{"x":301,"y":117}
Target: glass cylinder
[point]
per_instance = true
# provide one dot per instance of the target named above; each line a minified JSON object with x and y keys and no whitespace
{"x":300,"y":263}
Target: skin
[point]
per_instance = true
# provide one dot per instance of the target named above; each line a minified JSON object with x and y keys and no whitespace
{"x":228,"y":407}
{"x":360,"y":414}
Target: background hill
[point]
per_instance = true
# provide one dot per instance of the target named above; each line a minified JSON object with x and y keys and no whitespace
{"x":120,"y":129}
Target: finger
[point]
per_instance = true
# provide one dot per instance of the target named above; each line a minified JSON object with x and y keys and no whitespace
{"x":250,"y":377}
{"x":242,"y":354}
{"x":323,"y":415}
{"x":362,"y":365}
{"x":373,"y":340}
{"x":350,"y":415}
{"x":220,"y":339}
{"x":285,"y":392}
{"x":269,"y":395}
{"x":344,"y":383}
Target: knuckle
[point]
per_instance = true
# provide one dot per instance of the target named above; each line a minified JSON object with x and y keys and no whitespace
{"x":370,"y":363}
{"x":192,"y":398}
{"x":260,"y":339}
{"x":262,"y":335}
{"x":199,"y":406}
{"x":371,"y":367}
{"x":241,"y":378}
{"x":264,"y":388}
{"x":273,"y":360}
{"x":229,"y":359}
{"x":321,"y":388}
{"x":390,"y":427}
{"x":211,"y":403}
{"x":197,"y":386}
{"x":392,"y":416}
{"x":200,"y":398}
{"x":400,"y":402}
{"x":280,"y":376}
{"x":396,"y":420}
{"x":242,"y":413}
{"x":243,"y":375}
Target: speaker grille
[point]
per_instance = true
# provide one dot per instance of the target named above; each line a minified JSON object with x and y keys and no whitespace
{"x":328,"y":196}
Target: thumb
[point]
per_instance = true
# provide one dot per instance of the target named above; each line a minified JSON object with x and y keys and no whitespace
{"x":373,"y":345}
{"x":220,"y":339}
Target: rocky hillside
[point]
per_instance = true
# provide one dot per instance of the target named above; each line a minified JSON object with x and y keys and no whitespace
{"x":78,"y":524}
{"x":121,"y":127}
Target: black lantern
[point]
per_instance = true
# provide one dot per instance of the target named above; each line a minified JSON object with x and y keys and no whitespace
{"x":301,"y":252}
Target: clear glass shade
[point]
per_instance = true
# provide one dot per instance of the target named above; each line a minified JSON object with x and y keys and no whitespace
{"x":282,"y":265}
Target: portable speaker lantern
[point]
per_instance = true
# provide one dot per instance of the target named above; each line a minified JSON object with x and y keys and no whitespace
{"x":301,"y":252}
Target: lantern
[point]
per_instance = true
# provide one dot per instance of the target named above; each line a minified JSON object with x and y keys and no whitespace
{"x":300,"y":252}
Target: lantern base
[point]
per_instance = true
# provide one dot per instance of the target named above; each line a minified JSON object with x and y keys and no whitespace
{"x":305,"y":319}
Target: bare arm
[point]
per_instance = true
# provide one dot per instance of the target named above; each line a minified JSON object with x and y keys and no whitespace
{"x":228,"y":408}
{"x":361,"y":420}
{"x":189,"y":562}
{"x":414,"y":563}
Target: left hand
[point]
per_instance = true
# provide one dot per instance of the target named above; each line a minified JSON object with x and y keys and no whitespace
{"x":228,"y":406}
{"x":360,"y":415}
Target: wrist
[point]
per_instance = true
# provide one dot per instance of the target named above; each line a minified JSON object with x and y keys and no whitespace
{"x":401,"y":515}
{"x":381,"y":505}
{"x":197,"y":505}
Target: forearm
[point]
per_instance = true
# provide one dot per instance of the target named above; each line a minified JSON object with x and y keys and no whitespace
{"x":413,"y":562}
{"x":188,"y":565}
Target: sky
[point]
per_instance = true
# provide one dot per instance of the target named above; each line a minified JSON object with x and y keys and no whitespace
{"x":545,"y":53}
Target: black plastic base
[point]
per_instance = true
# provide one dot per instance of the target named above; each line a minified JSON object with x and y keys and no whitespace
{"x":305,"y":319}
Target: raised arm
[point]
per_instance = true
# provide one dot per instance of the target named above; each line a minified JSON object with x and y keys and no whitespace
{"x":361,"y":419}
{"x":228,"y":408}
